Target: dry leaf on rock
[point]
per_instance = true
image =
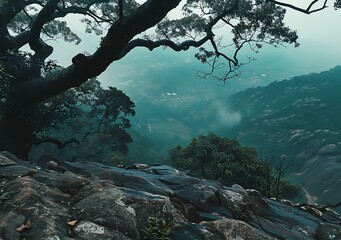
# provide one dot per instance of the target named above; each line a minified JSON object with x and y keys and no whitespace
{"x":72,"y":223}
{"x":24,"y":226}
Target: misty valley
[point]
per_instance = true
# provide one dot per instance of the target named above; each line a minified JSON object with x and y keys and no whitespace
{"x":297,"y":119}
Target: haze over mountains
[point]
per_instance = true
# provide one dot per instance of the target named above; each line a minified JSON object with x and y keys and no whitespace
{"x":299,"y":117}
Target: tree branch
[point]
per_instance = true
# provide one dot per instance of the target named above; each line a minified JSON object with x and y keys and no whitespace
{"x":120,"y":10}
{"x":307,"y":10}
{"x":41,"y":49}
{"x":84,"y":67}
{"x":185,"y":45}
{"x":62,"y":12}
{"x":56,"y":142}
{"x":151,"y":45}
{"x":9,"y":10}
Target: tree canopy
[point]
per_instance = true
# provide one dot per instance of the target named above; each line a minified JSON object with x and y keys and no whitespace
{"x":226,"y":160}
{"x":125,"y":25}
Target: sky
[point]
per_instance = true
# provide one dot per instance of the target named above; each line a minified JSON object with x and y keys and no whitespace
{"x":319,"y":35}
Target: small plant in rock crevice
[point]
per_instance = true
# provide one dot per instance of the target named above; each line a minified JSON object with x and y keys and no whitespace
{"x":158,"y":228}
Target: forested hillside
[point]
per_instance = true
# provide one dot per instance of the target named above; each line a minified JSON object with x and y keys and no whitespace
{"x":292,"y":115}
{"x":299,"y":118}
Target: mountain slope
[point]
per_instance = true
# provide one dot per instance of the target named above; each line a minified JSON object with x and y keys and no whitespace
{"x":299,"y":118}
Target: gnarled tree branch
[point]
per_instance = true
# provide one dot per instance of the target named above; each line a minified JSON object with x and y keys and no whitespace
{"x":151,"y":45}
{"x":41,"y":49}
{"x":85,"y":67}
{"x":56,"y":142}
{"x":183,"y":46}
{"x":307,"y":10}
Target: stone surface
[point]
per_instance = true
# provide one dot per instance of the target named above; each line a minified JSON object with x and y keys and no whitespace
{"x":328,"y":149}
{"x":328,"y":231}
{"x":93,"y":201}
{"x":232,"y":229}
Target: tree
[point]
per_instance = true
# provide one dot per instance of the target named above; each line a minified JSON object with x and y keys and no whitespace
{"x":275,"y":171}
{"x":91,"y":124}
{"x":213,"y":157}
{"x":26,"y":22}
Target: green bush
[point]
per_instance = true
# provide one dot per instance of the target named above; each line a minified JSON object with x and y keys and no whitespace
{"x":225,"y":160}
{"x":222,"y":159}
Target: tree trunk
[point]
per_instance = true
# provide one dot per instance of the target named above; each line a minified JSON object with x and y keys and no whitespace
{"x":16,"y":134}
{"x":203,"y":168}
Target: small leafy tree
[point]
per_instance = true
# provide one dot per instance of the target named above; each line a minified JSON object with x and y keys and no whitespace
{"x":224,"y":159}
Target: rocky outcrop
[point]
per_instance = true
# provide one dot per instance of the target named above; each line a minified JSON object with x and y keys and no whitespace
{"x":71,"y":200}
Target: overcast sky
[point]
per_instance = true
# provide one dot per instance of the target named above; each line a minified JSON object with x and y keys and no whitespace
{"x":319,"y":35}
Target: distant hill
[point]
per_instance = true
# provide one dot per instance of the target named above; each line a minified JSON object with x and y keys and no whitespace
{"x":292,"y":112}
{"x":300,"y":118}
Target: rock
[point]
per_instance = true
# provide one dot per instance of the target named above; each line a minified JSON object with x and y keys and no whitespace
{"x":95,"y":201}
{"x":191,"y":213}
{"x":239,"y":189}
{"x":163,"y":170}
{"x":122,"y":209}
{"x":331,"y":217}
{"x":46,"y":208}
{"x":91,"y":231}
{"x":201,"y":196}
{"x":103,"y":206}
{"x":253,"y":193}
{"x":8,"y":223}
{"x":230,"y":199}
{"x":232,"y":229}
{"x":273,"y":216}
{"x":327,"y":231}
{"x":192,"y":231}
{"x":5,"y":161}
{"x":51,"y":165}
{"x":137,"y":166}
{"x":330,"y":148}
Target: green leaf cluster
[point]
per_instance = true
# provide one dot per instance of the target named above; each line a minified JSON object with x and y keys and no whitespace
{"x":226,"y":160}
{"x":158,"y":228}
{"x":96,"y":117}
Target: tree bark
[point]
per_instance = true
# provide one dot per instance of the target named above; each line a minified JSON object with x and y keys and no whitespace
{"x":16,"y":134}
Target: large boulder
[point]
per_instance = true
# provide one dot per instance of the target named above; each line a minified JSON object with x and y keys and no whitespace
{"x":69,"y":200}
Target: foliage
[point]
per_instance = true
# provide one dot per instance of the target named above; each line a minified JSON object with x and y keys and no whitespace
{"x":224,"y":159}
{"x":92,"y":121}
{"x":221,"y":159}
{"x":84,"y":116}
{"x":158,"y":228}
{"x":288,"y":190}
